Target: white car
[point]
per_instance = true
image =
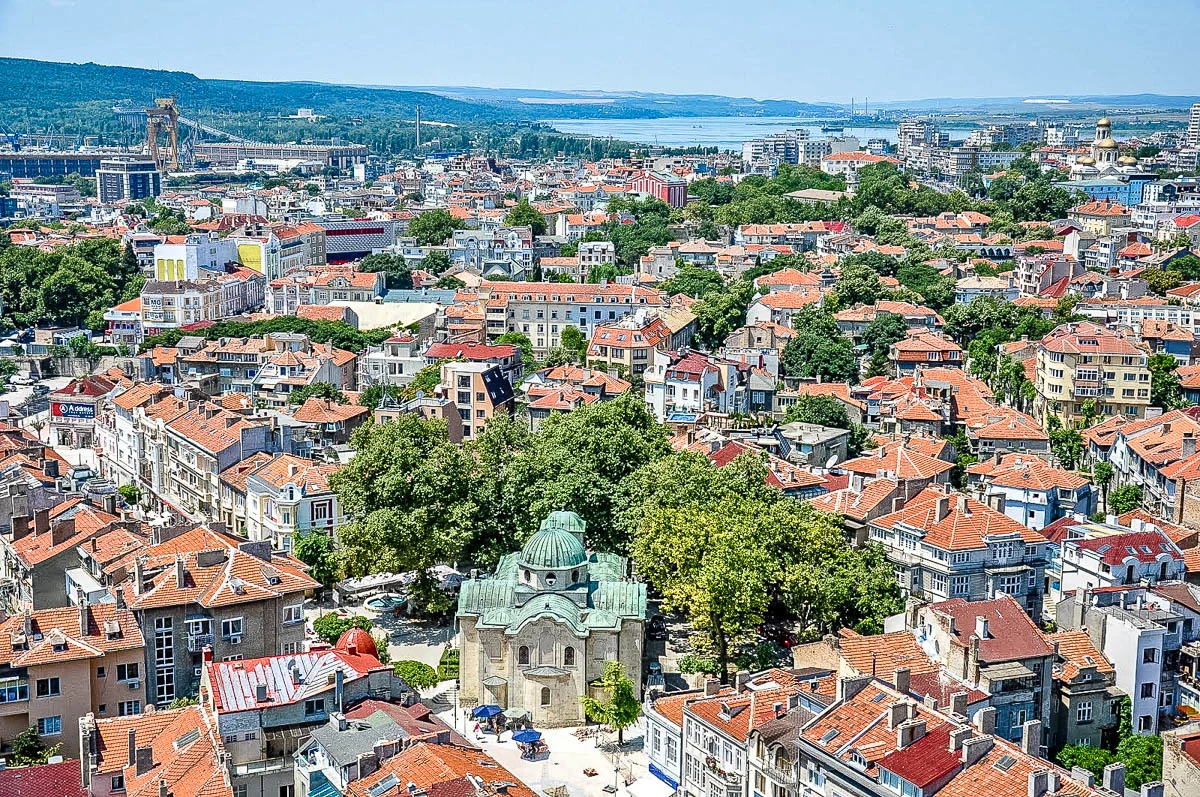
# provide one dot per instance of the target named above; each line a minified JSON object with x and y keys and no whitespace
{"x":23,"y":380}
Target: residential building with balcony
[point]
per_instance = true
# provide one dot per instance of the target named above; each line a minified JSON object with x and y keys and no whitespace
{"x":393,"y":363}
{"x":629,"y":344}
{"x":1031,"y":491}
{"x":289,"y":497}
{"x":993,"y":646}
{"x":265,"y":707}
{"x":1082,"y":361}
{"x":1154,"y":455}
{"x":203,"y":588}
{"x":944,"y":545}
{"x":689,"y":385}
{"x":1087,"y":702}
{"x":480,"y":391}
{"x":60,"y":665}
{"x":922,"y":348}
{"x":505,"y":356}
{"x":1122,"y":559}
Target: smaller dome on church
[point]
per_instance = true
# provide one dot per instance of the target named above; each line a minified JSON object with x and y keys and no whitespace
{"x":554,"y":546}
{"x":1127,"y":160}
{"x":1107,"y":143}
{"x":360,"y":640}
{"x":1086,"y":160}
{"x":1104,"y":122}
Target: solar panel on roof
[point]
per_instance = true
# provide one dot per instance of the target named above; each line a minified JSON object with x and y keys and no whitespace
{"x":1005,"y":763}
{"x":382,"y":786}
{"x":829,"y":734}
{"x":186,"y":739}
{"x":877,"y":698}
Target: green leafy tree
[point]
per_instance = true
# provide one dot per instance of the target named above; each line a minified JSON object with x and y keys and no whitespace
{"x":28,"y":749}
{"x":416,"y":674}
{"x":621,"y":708}
{"x":819,"y":348}
{"x":821,"y":410}
{"x":522,"y":342}
{"x":449,"y":283}
{"x":437,"y":262}
{"x":525,"y":214}
{"x":407,"y":495}
{"x":433,"y":227}
{"x":575,"y":341}
{"x":858,"y":284}
{"x":315,"y":549}
{"x":720,"y":313}
{"x":397,"y":274}
{"x":321,"y":390}
{"x":694,"y":281}
{"x":884,"y":330}
{"x":1165,"y":389}
{"x":1124,"y":499}
{"x":130,"y":493}
{"x":878,"y":364}
{"x":1102,"y":476}
{"x":1093,"y":759}
{"x":1142,"y":757}
{"x":1160,"y":281}
{"x":1067,"y":445}
{"x":330,"y":627}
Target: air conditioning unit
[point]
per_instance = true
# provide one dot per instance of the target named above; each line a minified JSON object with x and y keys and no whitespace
{"x":196,"y":672}
{"x":136,"y":683}
{"x":236,"y":639}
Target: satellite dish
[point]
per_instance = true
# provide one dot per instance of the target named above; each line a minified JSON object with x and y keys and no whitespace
{"x":829,"y":463}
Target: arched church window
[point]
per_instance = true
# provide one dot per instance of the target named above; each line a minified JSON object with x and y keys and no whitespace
{"x":569,"y":657}
{"x":523,"y":655}
{"x":545,"y":695}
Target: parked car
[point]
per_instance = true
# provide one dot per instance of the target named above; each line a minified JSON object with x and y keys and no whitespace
{"x":656,"y":629}
{"x":20,"y":379}
{"x":40,"y":389}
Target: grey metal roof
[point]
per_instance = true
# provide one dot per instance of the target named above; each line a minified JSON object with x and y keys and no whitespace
{"x":360,"y":736}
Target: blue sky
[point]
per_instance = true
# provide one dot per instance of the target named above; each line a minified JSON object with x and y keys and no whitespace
{"x":829,"y":50}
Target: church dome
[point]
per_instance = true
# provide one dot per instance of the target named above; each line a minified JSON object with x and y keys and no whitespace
{"x":1086,"y":160}
{"x":1127,"y":160}
{"x":1104,"y":122}
{"x":360,"y":640}
{"x":1107,"y":143}
{"x":555,"y":545}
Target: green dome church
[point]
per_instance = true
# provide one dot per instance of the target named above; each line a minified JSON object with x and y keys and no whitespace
{"x":535,"y":633}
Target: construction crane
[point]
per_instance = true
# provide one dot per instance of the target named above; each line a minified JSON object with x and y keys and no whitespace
{"x":163,"y":118}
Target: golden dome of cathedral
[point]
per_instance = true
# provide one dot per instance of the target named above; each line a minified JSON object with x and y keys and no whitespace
{"x":1107,"y":143}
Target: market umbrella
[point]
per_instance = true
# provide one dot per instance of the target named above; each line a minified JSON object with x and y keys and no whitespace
{"x":527,"y":736}
{"x":490,"y":710}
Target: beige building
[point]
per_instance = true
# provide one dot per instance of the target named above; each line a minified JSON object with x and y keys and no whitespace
{"x":1083,"y":361}
{"x":629,"y":344}
{"x":58,"y":665}
{"x":479,"y":392}
{"x":536,"y":633}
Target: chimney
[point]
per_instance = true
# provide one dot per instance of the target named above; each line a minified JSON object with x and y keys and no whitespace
{"x":1031,"y":737}
{"x":144,"y":760}
{"x":132,"y":747}
{"x":958,"y":737}
{"x":1084,"y":776}
{"x":83,"y":613}
{"x":981,"y":627}
{"x":985,"y":720}
{"x":958,"y":704}
{"x":1039,"y":779}
{"x":180,"y":573}
{"x":1114,"y":778}
{"x":1189,"y":445}
{"x":41,"y":521}
{"x":900,"y":679}
{"x":897,"y":713}
{"x":740,"y":680}
{"x":260,"y":693}
{"x":138,"y":575}
{"x":962,"y":505}
{"x":1153,"y":789}
{"x":50,"y":468}
{"x":62,"y":531}
{"x":941,"y":509}
{"x":20,"y":527}
{"x":711,"y":687}
{"x":909,"y":732}
{"x":975,"y":749}
{"x":162,"y":789}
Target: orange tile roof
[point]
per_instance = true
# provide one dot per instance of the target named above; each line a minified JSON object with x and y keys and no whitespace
{"x":1077,"y":651}
{"x":899,"y":463}
{"x":55,"y":635}
{"x":186,"y":753}
{"x":881,"y":654}
{"x":964,"y":525}
{"x":429,"y":765}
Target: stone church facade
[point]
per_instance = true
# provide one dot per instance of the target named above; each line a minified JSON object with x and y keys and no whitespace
{"x":537,"y":632}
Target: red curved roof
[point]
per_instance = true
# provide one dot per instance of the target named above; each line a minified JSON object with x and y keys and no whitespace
{"x":361,"y":640}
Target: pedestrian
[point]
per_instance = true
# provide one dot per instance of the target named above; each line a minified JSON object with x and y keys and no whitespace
{"x":476,"y":728}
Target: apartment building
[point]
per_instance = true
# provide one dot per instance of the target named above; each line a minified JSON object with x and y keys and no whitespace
{"x":1087,"y":702}
{"x":629,"y":344}
{"x":177,"y":752}
{"x":269,"y":367}
{"x":944,"y":546}
{"x":505,"y":356}
{"x":178,"y":303}
{"x":1030,"y":490}
{"x":60,"y":665}
{"x":393,"y":363}
{"x":1101,"y":216}
{"x":542,"y":310}
{"x":266,"y":707}
{"x":1083,"y":361}
{"x":289,"y":497}
{"x":923,"y":348}
{"x":301,"y":246}
{"x":185,"y":257}
{"x":479,"y":391}
{"x":205,"y":588}
{"x":1152,"y":454}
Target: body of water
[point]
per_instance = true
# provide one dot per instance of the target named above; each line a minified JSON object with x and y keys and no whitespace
{"x":726,"y":132}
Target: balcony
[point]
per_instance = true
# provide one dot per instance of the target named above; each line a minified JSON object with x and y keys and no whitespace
{"x":780,"y":774}
{"x":198,"y":642}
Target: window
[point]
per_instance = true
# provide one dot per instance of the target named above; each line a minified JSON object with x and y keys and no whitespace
{"x":1083,"y":712}
{"x":164,"y":642}
{"x":1150,"y":655}
{"x":314,"y":707}
{"x":49,"y":726}
{"x":129,"y":708}
{"x":164,"y":690}
{"x":569,"y":657}
{"x":937,"y":582}
{"x":116,"y":783}
{"x":99,"y":672}
{"x":523,"y":655}
{"x":287,"y":790}
{"x":960,"y":585}
{"x":545,"y":695}
{"x":961,"y":558}
{"x":1010,"y":585}
{"x":293,"y":614}
{"x":1146,"y":722}
{"x":239,"y":791}
{"x":1018,"y":718}
{"x":128,"y":672}
{"x":48,"y":687}
{"x":1147,"y":690}
{"x":289,"y":648}
{"x":231,"y":628}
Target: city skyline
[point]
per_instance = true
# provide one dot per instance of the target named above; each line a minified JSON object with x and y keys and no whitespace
{"x":661,"y":57}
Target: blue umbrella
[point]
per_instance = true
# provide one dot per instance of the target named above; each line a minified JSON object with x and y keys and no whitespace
{"x":527,"y":736}
{"x":487,"y":711}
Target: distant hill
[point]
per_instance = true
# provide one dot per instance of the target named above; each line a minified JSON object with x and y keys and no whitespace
{"x":30,"y":90}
